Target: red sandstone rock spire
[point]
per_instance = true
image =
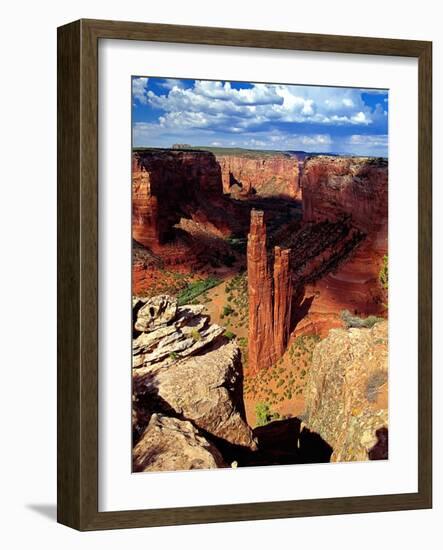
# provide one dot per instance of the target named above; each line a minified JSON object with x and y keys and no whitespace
{"x":260,"y":338}
{"x":282,"y":300}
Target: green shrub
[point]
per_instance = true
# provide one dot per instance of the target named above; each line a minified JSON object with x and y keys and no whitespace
{"x":196,"y":335}
{"x":173,"y":356}
{"x":352,"y":321}
{"x":264,"y":414}
{"x":196,"y":288}
{"x":229,"y":335}
{"x":227,"y":310}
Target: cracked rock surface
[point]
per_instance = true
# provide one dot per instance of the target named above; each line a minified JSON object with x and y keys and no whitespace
{"x":184,"y":368}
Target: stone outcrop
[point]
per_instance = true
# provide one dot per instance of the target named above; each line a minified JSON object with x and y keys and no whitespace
{"x":170,"y":444}
{"x":269,"y":298}
{"x":346,"y":392}
{"x":168,"y":185}
{"x":266,"y":175}
{"x":282,"y":300}
{"x":184,"y":367}
{"x":261,"y":352}
{"x":169,"y":332}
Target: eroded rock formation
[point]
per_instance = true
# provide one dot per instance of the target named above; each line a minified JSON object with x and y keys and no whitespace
{"x":269,"y":298}
{"x":261,"y":351}
{"x":345,"y":214}
{"x":354,"y":187}
{"x":184,"y":367}
{"x":346,"y":392}
{"x":267,"y":175}
{"x":168,"y":185}
{"x":171,"y":444}
{"x":282,"y":300}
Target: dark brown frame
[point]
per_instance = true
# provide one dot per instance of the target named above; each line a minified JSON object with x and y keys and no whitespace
{"x":77,"y":480}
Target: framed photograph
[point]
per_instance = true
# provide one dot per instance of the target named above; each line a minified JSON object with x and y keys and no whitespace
{"x":244,"y":274}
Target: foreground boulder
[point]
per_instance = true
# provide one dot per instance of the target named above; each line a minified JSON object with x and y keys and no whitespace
{"x":346,"y":393}
{"x":172,"y":444}
{"x":187,"y":369}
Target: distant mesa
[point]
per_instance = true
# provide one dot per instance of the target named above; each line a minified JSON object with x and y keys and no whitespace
{"x":182,"y":146}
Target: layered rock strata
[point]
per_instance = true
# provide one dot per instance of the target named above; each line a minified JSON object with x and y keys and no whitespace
{"x":185,"y":368}
{"x":346,"y":393}
{"x":353,"y":187}
{"x":269,"y":298}
{"x":266,"y":175}
{"x":261,"y":351}
{"x":168,"y":185}
{"x":282,"y":300}
{"x":171,"y":444}
{"x":348,"y":196}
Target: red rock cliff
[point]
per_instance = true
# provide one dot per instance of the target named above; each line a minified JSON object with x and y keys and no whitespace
{"x":282,"y":300}
{"x":268,"y":175}
{"x":269,"y":298}
{"x":170,"y":185}
{"x":340,"y":193}
{"x":333,"y":187}
{"x":261,"y":338}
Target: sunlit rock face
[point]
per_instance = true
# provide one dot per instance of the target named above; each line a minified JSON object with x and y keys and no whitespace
{"x":184,"y":367}
{"x":266,"y":175}
{"x":346,"y":392}
{"x":269,"y":295}
{"x":347,"y":195}
{"x":261,"y":352}
{"x":355,"y":187}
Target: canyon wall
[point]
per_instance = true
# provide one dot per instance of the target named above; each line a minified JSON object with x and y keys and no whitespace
{"x":269,"y":295}
{"x":354,"y":187}
{"x":168,"y":185}
{"x":347,"y":196}
{"x":267,"y":175}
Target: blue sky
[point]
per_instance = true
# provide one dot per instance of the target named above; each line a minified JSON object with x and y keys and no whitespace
{"x":259,"y":116}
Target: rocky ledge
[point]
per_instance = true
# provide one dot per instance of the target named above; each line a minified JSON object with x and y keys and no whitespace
{"x":346,"y":393}
{"x":184,"y":368}
{"x":173,"y":444}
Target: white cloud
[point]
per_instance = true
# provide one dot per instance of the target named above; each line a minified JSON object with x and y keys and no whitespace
{"x":262,"y":116}
{"x":139,"y":86}
{"x":262,"y":103}
{"x":369,"y":140}
{"x":170,"y":83}
{"x":360,"y":118}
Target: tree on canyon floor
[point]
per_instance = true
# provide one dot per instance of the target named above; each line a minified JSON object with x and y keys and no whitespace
{"x":264,"y":414}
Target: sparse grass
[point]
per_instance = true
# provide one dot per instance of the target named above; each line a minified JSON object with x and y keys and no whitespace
{"x":194,"y":289}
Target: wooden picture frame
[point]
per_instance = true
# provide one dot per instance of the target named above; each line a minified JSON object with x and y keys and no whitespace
{"x":78,"y":274}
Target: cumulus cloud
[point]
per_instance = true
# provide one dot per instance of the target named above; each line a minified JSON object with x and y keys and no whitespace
{"x":139,"y":86}
{"x":273,"y":116}
{"x":263,"y":103}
